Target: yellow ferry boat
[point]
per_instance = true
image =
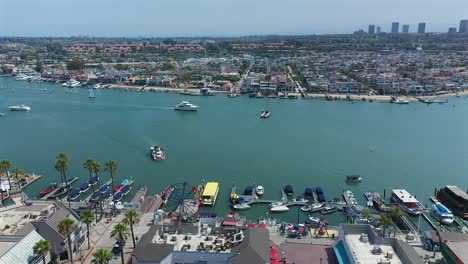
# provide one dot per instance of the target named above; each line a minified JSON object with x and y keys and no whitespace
{"x":210,"y":193}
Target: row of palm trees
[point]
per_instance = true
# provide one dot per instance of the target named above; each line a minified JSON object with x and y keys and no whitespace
{"x":385,"y":220}
{"x":101,"y":256}
{"x":92,"y":166}
{"x":5,"y":166}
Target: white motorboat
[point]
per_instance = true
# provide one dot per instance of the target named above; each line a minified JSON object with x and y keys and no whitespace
{"x":411,"y":205}
{"x":20,"y":108}
{"x":274,"y":204}
{"x":157,"y":153}
{"x":396,"y":100}
{"x":22,"y":77}
{"x":279,"y":208}
{"x":71,"y":83}
{"x":96,"y":86}
{"x":241,"y":206}
{"x":316,"y":207}
{"x":2,"y":114}
{"x":186,"y":106}
{"x":300,"y":201}
{"x":259,"y":190}
{"x":441,"y":213}
{"x":265,"y":114}
{"x":306,"y":208}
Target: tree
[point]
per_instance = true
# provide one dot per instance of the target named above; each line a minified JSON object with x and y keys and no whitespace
{"x":66,"y":227}
{"x":62,"y":166}
{"x":367,"y":215}
{"x":4,"y":166}
{"x":75,"y":64}
{"x":89,"y":164}
{"x":131,"y":217}
{"x":101,"y":256}
{"x":111,"y":167}
{"x":167,"y":66}
{"x":87,"y":217}
{"x":385,"y":221}
{"x":39,"y":66}
{"x":41,"y":248}
{"x":96,"y":170}
{"x":17,"y":171}
{"x":120,"y":232}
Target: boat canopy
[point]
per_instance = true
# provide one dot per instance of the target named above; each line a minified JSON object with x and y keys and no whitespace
{"x":211,"y":189}
{"x":288,"y":188}
{"x":125,"y":188}
{"x":95,"y":195}
{"x":94,"y":180}
{"x":318,"y":190}
{"x":248,"y":190}
{"x":404,"y":196}
{"x":308,"y":191}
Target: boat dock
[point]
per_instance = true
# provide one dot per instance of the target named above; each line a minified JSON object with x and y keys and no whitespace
{"x":379,"y":203}
{"x":29,"y":178}
{"x":51,"y":194}
{"x":347,"y":199}
{"x":89,"y":196}
{"x":253,"y":199}
{"x":140,"y":193}
{"x":130,"y":183}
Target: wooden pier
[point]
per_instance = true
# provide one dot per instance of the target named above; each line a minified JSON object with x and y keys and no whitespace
{"x":347,"y":199}
{"x":29,"y":178}
{"x":51,"y":194}
{"x":130,"y":182}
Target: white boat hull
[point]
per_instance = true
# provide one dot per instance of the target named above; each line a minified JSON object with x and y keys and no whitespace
{"x":280,"y":208}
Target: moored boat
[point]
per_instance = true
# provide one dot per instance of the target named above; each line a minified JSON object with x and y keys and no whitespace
{"x":104,"y":188}
{"x":306,"y":208}
{"x":329,"y":209}
{"x":308,"y":192}
{"x":441,"y":213}
{"x":75,"y":194}
{"x":49,"y":189}
{"x":288,"y":189}
{"x":210,"y":193}
{"x":126,"y":189}
{"x":118,"y":196}
{"x":396,"y":100}
{"x":410,"y":204}
{"x":95,"y":195}
{"x":94,"y":180}
{"x":259,"y":190}
{"x":300,"y":201}
{"x":84,"y":187}
{"x":157,"y":153}
{"x":241,"y":206}
{"x":320,"y":194}
{"x":248,"y":190}
{"x":337,"y":201}
{"x":279,"y":208}
{"x":118,"y":187}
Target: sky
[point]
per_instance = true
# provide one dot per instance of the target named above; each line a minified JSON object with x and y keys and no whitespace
{"x":191,"y":18}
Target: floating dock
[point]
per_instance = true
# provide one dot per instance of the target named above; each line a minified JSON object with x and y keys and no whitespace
{"x":51,"y":194}
{"x":89,"y":196}
{"x":30,"y":179}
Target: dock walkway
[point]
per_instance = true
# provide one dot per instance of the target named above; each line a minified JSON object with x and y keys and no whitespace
{"x":49,"y":195}
{"x":89,"y":196}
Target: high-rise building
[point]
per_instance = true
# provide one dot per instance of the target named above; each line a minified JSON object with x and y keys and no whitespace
{"x":422,"y":28}
{"x":371,"y":30}
{"x":405,"y":28}
{"x":463,"y":26}
{"x":395,"y":27}
{"x":379,"y":30}
{"x":452,"y":30}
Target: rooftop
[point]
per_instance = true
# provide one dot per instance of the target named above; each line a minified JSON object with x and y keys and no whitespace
{"x":459,"y":249}
{"x":405,"y":196}
{"x":362,"y":251}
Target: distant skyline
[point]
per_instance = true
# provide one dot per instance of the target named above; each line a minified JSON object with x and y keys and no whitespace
{"x":189,"y":18}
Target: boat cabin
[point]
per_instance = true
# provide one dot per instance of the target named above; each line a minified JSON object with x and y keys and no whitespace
{"x":210,"y":193}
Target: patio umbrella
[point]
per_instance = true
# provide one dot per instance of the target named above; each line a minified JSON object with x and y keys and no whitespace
{"x":274,"y":257}
{"x":250,"y":224}
{"x":262,"y":225}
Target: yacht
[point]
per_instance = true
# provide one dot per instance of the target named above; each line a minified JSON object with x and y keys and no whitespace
{"x":300,"y":201}
{"x":20,"y":108}
{"x":410,"y":204}
{"x":186,"y":106}
{"x":316,"y":207}
{"x":241,"y":206}
{"x":265,"y":114}
{"x":396,"y":100}
{"x":306,"y":208}
{"x":353,"y":178}
{"x":157,"y":153}
{"x":259,"y":190}
{"x":71,"y":83}
{"x":22,"y":77}
{"x":279,"y":208}
{"x":329,"y":209}
{"x":442,"y":213}
{"x":97,"y":86}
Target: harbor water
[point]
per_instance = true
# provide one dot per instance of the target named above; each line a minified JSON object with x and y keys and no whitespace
{"x":417,"y":147}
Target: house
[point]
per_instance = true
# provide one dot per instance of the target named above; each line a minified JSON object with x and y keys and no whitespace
{"x":18,"y":249}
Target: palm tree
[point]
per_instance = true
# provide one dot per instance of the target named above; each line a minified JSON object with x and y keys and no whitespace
{"x":41,"y":248}
{"x":120,"y":233}
{"x":4,"y":166}
{"x":87,"y":217}
{"x":131,"y":217}
{"x":366,"y":213}
{"x":111,"y":167}
{"x":88,"y":164}
{"x":101,"y":256}
{"x":395,"y":213}
{"x":96,"y":169}
{"x":62,"y":166}
{"x":385,"y":221}
{"x":66,"y":227}
{"x":17,"y":171}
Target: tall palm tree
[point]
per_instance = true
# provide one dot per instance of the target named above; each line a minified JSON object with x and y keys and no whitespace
{"x":395,"y":213}
{"x":101,"y":256}
{"x":96,"y":169}
{"x":5,"y":166}
{"x":120,"y":232}
{"x":88,"y":164}
{"x":366,"y":213}
{"x":66,"y":227}
{"x":41,"y":248}
{"x":385,"y":221}
{"x":62,"y":166}
{"x":131,"y":217}
{"x":111,"y":167}
{"x":87,"y":217}
{"x":17,"y":171}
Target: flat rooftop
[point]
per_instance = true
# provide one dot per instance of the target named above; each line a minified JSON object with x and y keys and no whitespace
{"x":13,"y":218}
{"x":362,"y":251}
{"x":305,"y":253}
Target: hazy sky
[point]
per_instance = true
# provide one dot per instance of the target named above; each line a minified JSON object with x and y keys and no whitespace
{"x":219,"y":17}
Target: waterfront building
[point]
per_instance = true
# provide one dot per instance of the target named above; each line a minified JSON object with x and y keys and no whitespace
{"x":371,"y":30}
{"x":455,"y":199}
{"x":395,"y":27}
{"x":463,"y":26}
{"x":405,"y":29}
{"x":18,"y":249}
{"x":248,"y":246}
{"x":42,"y":217}
{"x":379,"y":29}
{"x":362,"y":244}
{"x":453,"y":245}
{"x":422,"y":28}
{"x":452,"y":30}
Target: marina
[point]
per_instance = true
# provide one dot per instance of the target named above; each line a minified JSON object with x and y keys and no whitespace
{"x":62,"y":190}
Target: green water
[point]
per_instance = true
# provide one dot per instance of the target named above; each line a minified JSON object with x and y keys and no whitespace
{"x":304,"y":143}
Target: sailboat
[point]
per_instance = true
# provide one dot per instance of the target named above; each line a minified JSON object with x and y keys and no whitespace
{"x":91,"y":93}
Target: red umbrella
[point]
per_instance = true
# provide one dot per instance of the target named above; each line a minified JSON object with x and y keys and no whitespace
{"x":274,"y":262}
{"x":274,"y":257}
{"x":250,"y":225}
{"x":273,"y":251}
{"x":262,"y":225}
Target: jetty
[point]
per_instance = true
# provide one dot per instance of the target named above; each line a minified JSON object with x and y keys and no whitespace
{"x":347,"y":199}
{"x":379,"y":203}
{"x":253,"y":199}
{"x":24,"y":181}
{"x":54,"y":194}
{"x":89,"y":196}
